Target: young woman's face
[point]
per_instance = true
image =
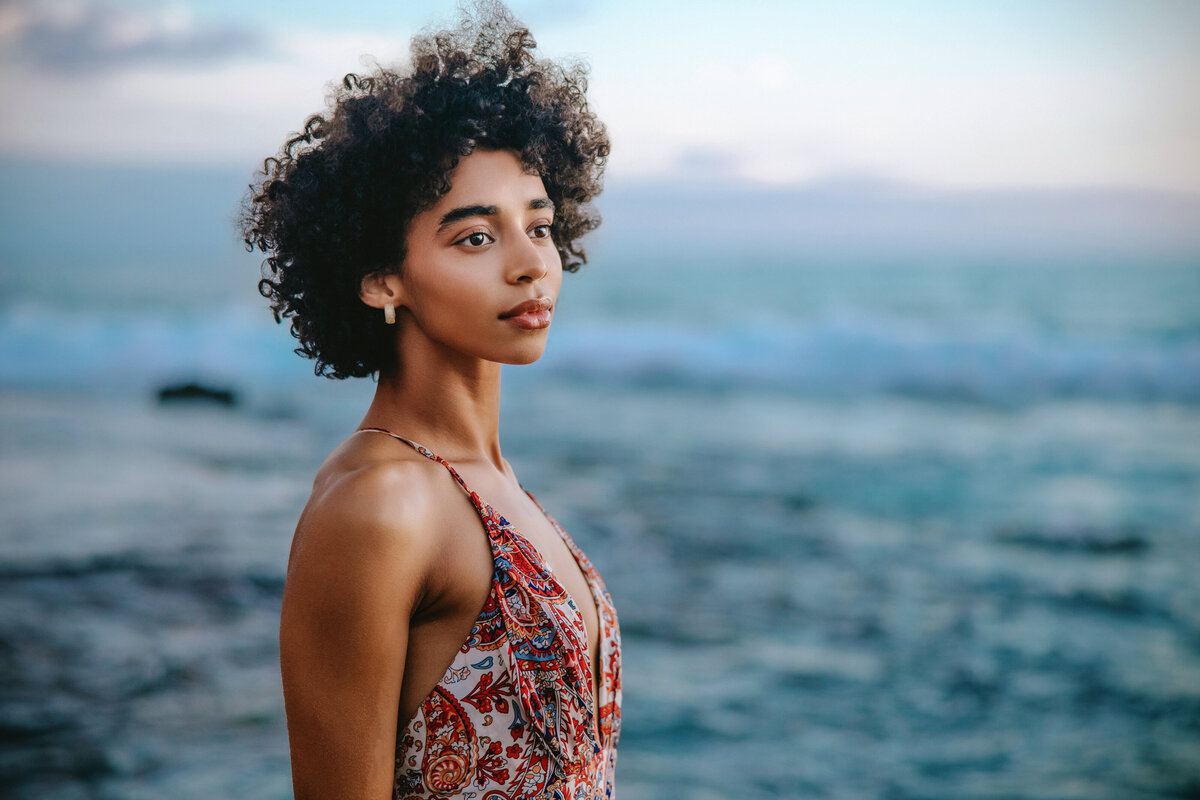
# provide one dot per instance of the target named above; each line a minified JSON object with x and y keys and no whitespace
{"x":481,"y":274}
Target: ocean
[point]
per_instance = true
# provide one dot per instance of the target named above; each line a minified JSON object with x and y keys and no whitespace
{"x":876,"y":527}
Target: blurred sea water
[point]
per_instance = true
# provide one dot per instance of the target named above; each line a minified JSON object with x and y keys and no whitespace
{"x":890,"y":528}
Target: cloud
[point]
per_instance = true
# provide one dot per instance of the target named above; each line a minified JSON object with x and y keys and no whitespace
{"x":706,"y":163}
{"x":557,"y":13}
{"x":90,"y":37}
{"x":228,"y":113}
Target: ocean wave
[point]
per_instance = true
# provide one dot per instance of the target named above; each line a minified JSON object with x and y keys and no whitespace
{"x":42,"y":348}
{"x":857,"y":355}
{"x":842,"y":355}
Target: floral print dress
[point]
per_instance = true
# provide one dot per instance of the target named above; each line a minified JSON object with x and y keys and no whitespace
{"x":513,"y":716}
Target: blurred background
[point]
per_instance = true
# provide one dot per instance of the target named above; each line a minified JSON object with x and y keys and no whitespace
{"x":877,"y":405}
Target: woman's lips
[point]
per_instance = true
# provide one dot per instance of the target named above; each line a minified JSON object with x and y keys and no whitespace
{"x":530,"y":320}
{"x":531,"y":315}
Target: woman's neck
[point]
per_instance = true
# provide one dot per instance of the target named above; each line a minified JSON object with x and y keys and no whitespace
{"x":451,"y":405}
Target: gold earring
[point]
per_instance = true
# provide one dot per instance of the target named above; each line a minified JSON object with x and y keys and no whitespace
{"x":389,"y":313}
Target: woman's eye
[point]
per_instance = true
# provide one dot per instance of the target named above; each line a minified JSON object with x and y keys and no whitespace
{"x":477,"y":239}
{"x":540,"y":232}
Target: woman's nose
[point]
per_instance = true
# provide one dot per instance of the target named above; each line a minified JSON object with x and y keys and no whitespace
{"x":528,"y":262}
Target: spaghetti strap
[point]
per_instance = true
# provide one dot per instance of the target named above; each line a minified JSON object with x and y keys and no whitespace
{"x":432,"y":456}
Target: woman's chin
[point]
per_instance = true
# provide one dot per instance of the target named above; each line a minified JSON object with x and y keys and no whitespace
{"x":526,"y":355}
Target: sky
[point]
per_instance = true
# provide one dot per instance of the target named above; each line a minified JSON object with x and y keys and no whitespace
{"x":958,"y":95}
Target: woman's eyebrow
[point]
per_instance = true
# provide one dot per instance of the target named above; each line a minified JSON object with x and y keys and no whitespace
{"x":463,"y":212}
{"x":455,"y":214}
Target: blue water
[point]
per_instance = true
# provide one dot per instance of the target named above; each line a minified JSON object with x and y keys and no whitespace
{"x":991,"y":333}
{"x":876,"y":527}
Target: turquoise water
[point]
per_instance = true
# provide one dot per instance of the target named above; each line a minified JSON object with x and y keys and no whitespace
{"x":997,"y":333}
{"x":876,"y":527}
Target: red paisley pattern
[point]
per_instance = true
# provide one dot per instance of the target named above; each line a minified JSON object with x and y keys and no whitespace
{"x":513,"y":717}
{"x":451,"y":750}
{"x":487,"y":695}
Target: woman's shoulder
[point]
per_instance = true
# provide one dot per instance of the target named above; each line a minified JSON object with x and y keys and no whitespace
{"x":371,"y":501}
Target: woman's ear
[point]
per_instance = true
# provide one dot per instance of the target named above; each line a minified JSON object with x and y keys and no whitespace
{"x":382,"y":289}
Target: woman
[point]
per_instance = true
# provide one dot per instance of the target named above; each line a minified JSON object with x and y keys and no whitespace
{"x":441,"y":635}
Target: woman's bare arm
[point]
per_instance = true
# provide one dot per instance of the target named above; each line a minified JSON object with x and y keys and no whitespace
{"x":356,"y":573}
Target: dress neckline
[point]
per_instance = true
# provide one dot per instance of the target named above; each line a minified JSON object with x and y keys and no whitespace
{"x":599,"y":694}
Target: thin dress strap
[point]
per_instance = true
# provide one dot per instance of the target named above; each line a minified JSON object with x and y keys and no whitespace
{"x":432,"y":456}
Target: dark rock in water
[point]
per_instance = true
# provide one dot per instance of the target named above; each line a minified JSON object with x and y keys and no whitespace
{"x":799,"y":502}
{"x":197,"y":393}
{"x":1079,"y":540}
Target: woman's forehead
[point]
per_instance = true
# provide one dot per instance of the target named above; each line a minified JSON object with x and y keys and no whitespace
{"x":484,"y":183}
{"x":494,"y":173}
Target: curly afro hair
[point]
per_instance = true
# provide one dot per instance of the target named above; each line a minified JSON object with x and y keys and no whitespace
{"x":336,"y":203}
